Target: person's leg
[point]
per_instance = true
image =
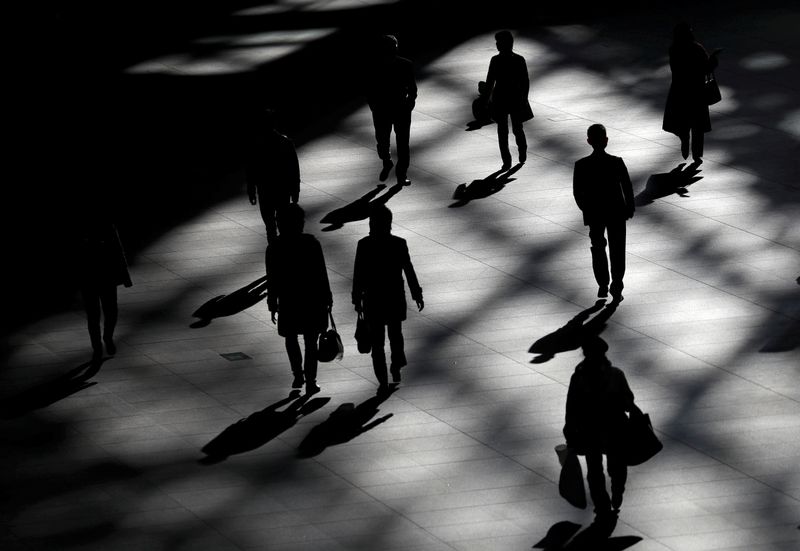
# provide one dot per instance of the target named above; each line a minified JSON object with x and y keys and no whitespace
{"x":684,"y":137}
{"x":91,"y":304}
{"x":616,"y":253}
{"x":108,"y":301}
{"x":698,"y":139}
{"x":267,"y":207}
{"x":383,"y":130}
{"x":502,"y":139}
{"x":519,"y":136}
{"x":396,"y":344}
{"x":599,"y":259}
{"x":378,"y":338}
{"x":402,"y":133}
{"x":310,"y":361}
{"x":295,"y":359}
{"x":597,"y":484}
{"x":618,"y":472}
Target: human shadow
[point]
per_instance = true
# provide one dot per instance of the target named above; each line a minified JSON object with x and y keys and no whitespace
{"x":574,"y":333}
{"x":344,"y":424}
{"x":358,"y":209}
{"x":50,"y":392}
{"x":484,"y":187}
{"x":227,"y":305}
{"x":675,"y":181}
{"x":260,"y":427}
{"x":596,"y":537}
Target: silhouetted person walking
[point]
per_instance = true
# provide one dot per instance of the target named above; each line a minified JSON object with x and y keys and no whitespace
{"x":273,"y":171}
{"x":391,"y":93}
{"x":508,"y":84}
{"x":686,"y":112}
{"x":101,"y":268}
{"x":379,"y":291}
{"x":298,"y":292}
{"x":603,"y":191}
{"x":597,"y":401}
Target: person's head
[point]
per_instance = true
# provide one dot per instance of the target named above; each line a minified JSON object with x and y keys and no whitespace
{"x":594,"y":348}
{"x":380,"y":220}
{"x":682,"y":33}
{"x":387,"y":45}
{"x":504,"y":41}
{"x":291,"y":219}
{"x":597,"y":137}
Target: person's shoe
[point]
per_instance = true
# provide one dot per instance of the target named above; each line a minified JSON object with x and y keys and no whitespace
{"x":617,"y":297}
{"x":506,"y":165}
{"x":395,"y":371}
{"x":111,"y":348}
{"x":384,"y":390}
{"x":312,"y":388}
{"x":523,"y":156}
{"x":97,"y":355}
{"x":384,"y":175}
{"x":697,"y":161}
{"x":298,"y":381}
{"x":602,"y":292}
{"x":402,"y":180}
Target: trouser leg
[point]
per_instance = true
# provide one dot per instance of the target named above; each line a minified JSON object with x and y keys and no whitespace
{"x":91,"y":304}
{"x":108,"y":300}
{"x":599,"y":258}
{"x":396,"y":344}
{"x":698,"y":139}
{"x":402,"y":132}
{"x":268,"y":211}
{"x":618,"y":472}
{"x":310,"y":361}
{"x":519,"y":136}
{"x":597,"y":483}
{"x":383,"y":130}
{"x":502,"y":138}
{"x":684,"y":137}
{"x":378,"y":337}
{"x":616,"y":253}
{"x":295,"y":356}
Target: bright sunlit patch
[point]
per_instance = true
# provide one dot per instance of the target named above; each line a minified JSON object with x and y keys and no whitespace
{"x":231,"y":54}
{"x":765,"y":61}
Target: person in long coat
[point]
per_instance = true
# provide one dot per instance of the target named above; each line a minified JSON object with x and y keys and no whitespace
{"x":598,"y":400}
{"x":298,"y":292}
{"x":686,"y":112}
{"x":508,"y":84}
{"x":102,"y":267}
{"x":379,"y":291}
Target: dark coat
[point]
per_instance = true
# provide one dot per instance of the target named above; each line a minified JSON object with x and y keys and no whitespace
{"x":101,"y":259}
{"x":509,"y":85}
{"x":391,"y":86}
{"x":602,"y":188}
{"x":687,"y":107}
{"x":272,"y":168}
{"x":297,"y":284}
{"x":380,"y":263}
{"x":597,"y":401}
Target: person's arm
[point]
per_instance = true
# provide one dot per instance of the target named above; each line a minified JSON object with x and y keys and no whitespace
{"x":525,"y":79}
{"x":411,"y":87}
{"x":411,"y":278}
{"x":491,"y":78}
{"x":294,"y":173}
{"x":627,"y":189}
{"x":251,"y":185}
{"x":570,"y":419}
{"x":324,"y":282}
{"x":577,"y":185}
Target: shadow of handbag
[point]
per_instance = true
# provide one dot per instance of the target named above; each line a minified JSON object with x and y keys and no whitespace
{"x":570,"y":481}
{"x":362,"y":335}
{"x":641,"y":441}
{"x":330,"y":344}
{"x":713,"y":95}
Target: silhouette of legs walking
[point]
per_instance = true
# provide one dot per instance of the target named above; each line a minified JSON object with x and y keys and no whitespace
{"x":268,"y":212}
{"x":698,"y":139}
{"x":519,"y":136}
{"x":101,"y":301}
{"x":616,"y":252}
{"x":402,"y":133}
{"x":303,"y":369}
{"x":617,"y":471}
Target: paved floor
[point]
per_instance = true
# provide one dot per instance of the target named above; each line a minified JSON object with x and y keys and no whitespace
{"x":461,"y":456}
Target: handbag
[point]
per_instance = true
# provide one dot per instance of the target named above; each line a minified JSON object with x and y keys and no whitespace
{"x":362,"y":335}
{"x":330,"y":345}
{"x":713,"y":95}
{"x":641,"y":442}
{"x":570,"y":481}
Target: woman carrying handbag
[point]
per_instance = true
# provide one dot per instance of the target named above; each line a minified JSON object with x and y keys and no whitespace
{"x":299,"y":293}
